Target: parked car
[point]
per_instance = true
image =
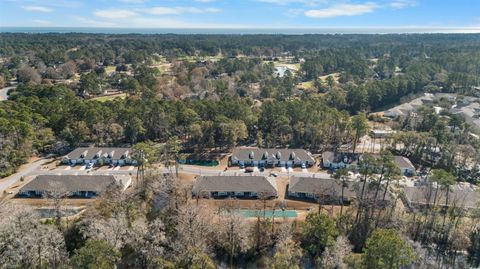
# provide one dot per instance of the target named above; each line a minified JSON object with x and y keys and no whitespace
{"x":249,"y":170}
{"x":89,"y":165}
{"x":304,"y":166}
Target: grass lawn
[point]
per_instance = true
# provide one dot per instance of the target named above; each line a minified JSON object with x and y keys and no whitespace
{"x":110,"y":69}
{"x":295,"y":67}
{"x":201,"y":58}
{"x":335,"y":76}
{"x":307,"y":85}
{"x":109,"y":97}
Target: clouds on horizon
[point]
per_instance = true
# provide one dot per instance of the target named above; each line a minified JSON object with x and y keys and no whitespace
{"x":342,"y":10}
{"x":235,"y":14}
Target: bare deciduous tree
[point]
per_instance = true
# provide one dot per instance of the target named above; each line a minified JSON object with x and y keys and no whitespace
{"x":232,"y":234}
{"x":333,"y":257}
{"x":27,"y":243}
{"x":192,"y":230}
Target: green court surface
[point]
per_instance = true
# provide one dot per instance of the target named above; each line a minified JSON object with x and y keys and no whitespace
{"x":199,"y":162}
{"x":268,"y":213}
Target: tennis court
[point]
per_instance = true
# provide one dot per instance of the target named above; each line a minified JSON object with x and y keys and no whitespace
{"x":268,"y":213}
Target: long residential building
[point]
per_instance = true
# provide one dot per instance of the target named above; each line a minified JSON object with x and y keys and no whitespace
{"x":465,"y":196}
{"x":247,"y":187}
{"x":100,"y":155}
{"x":271,"y":157}
{"x":325,"y":189}
{"x":73,"y":186}
{"x":329,"y":191}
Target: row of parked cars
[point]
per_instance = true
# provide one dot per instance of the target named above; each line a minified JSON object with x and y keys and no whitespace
{"x":91,"y":165}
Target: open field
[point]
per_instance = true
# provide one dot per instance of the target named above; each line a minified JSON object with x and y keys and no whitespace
{"x":110,"y":97}
{"x":295,"y":66}
{"x":110,"y":69}
{"x":307,"y":85}
{"x":335,"y":76}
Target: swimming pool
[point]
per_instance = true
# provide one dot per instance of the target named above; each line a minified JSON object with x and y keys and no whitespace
{"x":268,"y":213}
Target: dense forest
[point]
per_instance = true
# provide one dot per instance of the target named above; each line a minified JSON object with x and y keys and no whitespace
{"x":218,"y":91}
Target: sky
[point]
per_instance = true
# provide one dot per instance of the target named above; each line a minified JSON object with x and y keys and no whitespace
{"x":461,"y":15}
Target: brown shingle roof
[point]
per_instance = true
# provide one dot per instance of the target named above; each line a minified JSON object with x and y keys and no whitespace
{"x":235,"y":184}
{"x":324,"y":186}
{"x":404,"y":162}
{"x":69,"y":183}
{"x":331,"y":187}
{"x":465,"y":197}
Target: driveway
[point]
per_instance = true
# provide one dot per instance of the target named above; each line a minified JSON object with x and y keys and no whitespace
{"x":210,"y":172}
{"x":25,"y":170}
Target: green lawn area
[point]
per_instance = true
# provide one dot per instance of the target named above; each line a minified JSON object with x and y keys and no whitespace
{"x":110,"y":68}
{"x":308,"y":85}
{"x":289,"y":65}
{"x":189,"y":58}
{"x":110,"y":97}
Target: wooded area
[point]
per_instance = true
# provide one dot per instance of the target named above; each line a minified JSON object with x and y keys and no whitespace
{"x":215,"y":92}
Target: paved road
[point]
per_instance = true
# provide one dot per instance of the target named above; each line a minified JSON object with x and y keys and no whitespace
{"x":182,"y":169}
{"x":4,"y":91}
{"x":26,"y":170}
{"x":211,"y":172}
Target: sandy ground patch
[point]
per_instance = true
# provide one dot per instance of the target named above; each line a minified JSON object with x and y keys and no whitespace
{"x":40,"y":202}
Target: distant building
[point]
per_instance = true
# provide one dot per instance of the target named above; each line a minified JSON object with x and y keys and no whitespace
{"x":464,"y":196}
{"x":73,"y":186}
{"x":115,"y":156}
{"x":471,"y":113}
{"x":332,"y":160}
{"x":405,"y":109}
{"x":247,"y":187}
{"x":405,"y":165}
{"x":271,"y":157}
